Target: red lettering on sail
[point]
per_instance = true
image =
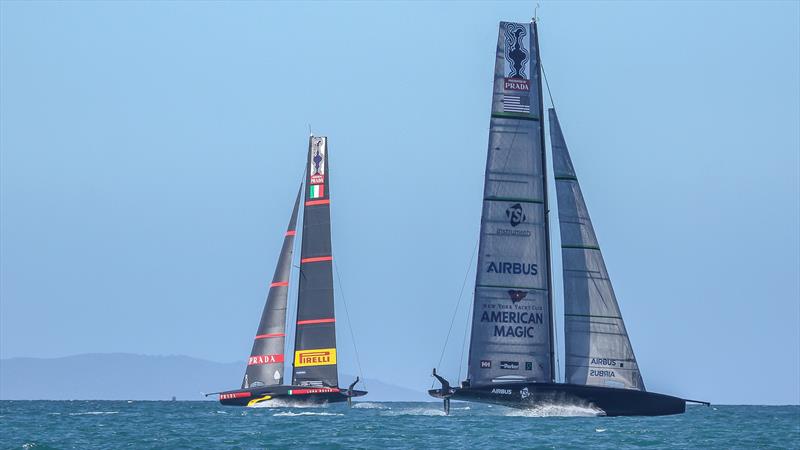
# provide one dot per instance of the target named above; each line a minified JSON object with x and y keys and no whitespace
{"x":264,"y":359}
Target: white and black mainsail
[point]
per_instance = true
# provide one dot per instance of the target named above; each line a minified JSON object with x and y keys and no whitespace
{"x":511,"y":355}
{"x":597,"y":349}
{"x":512,"y":333}
{"x":315,"y":335}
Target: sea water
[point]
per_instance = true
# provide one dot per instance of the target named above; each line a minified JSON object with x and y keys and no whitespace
{"x":179,"y":424}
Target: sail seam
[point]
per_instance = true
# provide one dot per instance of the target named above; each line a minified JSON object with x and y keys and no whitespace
{"x":513,"y":199}
{"x":510,"y":287}
{"x":586,"y":247}
{"x":317,"y":202}
{"x":593,"y":315}
{"x":270,"y":335}
{"x":511,"y":116}
{"x":316,"y":259}
{"x":315,"y":321}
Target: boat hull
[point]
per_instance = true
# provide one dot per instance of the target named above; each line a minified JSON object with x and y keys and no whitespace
{"x":613,"y":401}
{"x":286,"y":395}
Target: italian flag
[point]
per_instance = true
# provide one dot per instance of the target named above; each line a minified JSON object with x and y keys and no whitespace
{"x":317,"y":190}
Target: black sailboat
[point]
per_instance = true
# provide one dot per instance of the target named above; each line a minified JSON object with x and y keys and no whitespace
{"x":315,"y":377}
{"x":512,"y":354}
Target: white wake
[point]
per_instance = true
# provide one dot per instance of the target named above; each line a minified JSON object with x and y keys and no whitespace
{"x":557,"y":410}
{"x":304,"y":413}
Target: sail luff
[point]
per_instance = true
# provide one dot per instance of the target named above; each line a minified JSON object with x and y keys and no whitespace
{"x":266,"y":362}
{"x":598,"y":350}
{"x":314,"y":362}
{"x":511,"y":329}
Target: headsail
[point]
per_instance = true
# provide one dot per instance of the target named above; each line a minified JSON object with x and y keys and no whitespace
{"x":265,"y":365}
{"x":315,"y":338}
{"x":598,"y":351}
{"x":511,"y":325}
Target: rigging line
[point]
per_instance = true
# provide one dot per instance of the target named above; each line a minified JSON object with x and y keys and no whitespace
{"x":349,"y":324}
{"x":458,"y":305}
{"x":464,"y":341}
{"x":546,"y":83}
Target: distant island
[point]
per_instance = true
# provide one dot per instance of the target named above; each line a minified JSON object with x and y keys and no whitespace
{"x":126,"y":376}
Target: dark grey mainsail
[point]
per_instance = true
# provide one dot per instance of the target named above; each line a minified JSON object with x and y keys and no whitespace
{"x":315,"y":337}
{"x":598,"y":351}
{"x":265,"y":365}
{"x":511,"y":326}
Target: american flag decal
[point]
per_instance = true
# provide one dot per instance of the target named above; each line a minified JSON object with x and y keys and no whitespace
{"x":521,"y":104}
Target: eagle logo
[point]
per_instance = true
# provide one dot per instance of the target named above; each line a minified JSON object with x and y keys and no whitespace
{"x":517,"y":296}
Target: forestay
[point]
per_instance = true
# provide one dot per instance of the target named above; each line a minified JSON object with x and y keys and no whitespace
{"x":598,"y":351}
{"x":265,"y":365}
{"x":511,"y":328}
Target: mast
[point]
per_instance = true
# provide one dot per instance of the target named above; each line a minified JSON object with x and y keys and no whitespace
{"x":545,"y":199}
{"x":265,"y":365}
{"x":315,"y":335}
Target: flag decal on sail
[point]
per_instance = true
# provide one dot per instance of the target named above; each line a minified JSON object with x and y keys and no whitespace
{"x":513,"y":103}
{"x":315,"y":357}
{"x":316,"y":190}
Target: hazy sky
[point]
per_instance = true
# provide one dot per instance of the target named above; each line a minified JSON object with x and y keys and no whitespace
{"x":151,"y":153}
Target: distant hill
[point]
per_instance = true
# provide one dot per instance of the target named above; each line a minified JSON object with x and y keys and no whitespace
{"x":125,"y":376}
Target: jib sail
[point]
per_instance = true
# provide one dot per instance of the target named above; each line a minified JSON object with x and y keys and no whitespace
{"x":598,"y":351}
{"x":511,"y":326}
{"x":265,"y":365}
{"x":315,"y":337}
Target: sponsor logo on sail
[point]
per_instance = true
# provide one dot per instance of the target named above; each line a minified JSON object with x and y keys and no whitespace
{"x":486,"y":364}
{"x":501,"y":391}
{"x":317,"y":167}
{"x":602,"y":373}
{"x":517,"y":296}
{"x":513,"y":317}
{"x":264,"y":359}
{"x":516,"y":215}
{"x":512,"y":268}
{"x":516,"y":84}
{"x":528,"y":365}
{"x":315,"y":357}
{"x":604,"y":362}
{"x":509,"y":365}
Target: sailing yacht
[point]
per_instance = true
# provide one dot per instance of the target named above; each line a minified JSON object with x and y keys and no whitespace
{"x":512,"y":354}
{"x":315,"y":378}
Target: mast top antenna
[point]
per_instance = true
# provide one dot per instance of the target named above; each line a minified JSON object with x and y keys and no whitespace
{"x":535,"y":17}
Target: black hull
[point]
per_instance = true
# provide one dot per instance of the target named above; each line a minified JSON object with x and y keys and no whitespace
{"x":287,"y":395}
{"x":613,"y":401}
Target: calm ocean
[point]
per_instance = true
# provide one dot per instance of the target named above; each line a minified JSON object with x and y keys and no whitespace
{"x":140,"y":424}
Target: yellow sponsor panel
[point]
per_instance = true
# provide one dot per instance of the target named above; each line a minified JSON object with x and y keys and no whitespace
{"x":315,"y":357}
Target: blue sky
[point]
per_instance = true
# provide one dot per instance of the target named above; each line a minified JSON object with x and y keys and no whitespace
{"x":150,"y":152}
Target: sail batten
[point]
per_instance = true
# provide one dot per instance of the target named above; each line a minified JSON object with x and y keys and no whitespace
{"x":598,"y":350}
{"x":314,"y":362}
{"x":511,"y":323}
{"x":265,"y":365}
